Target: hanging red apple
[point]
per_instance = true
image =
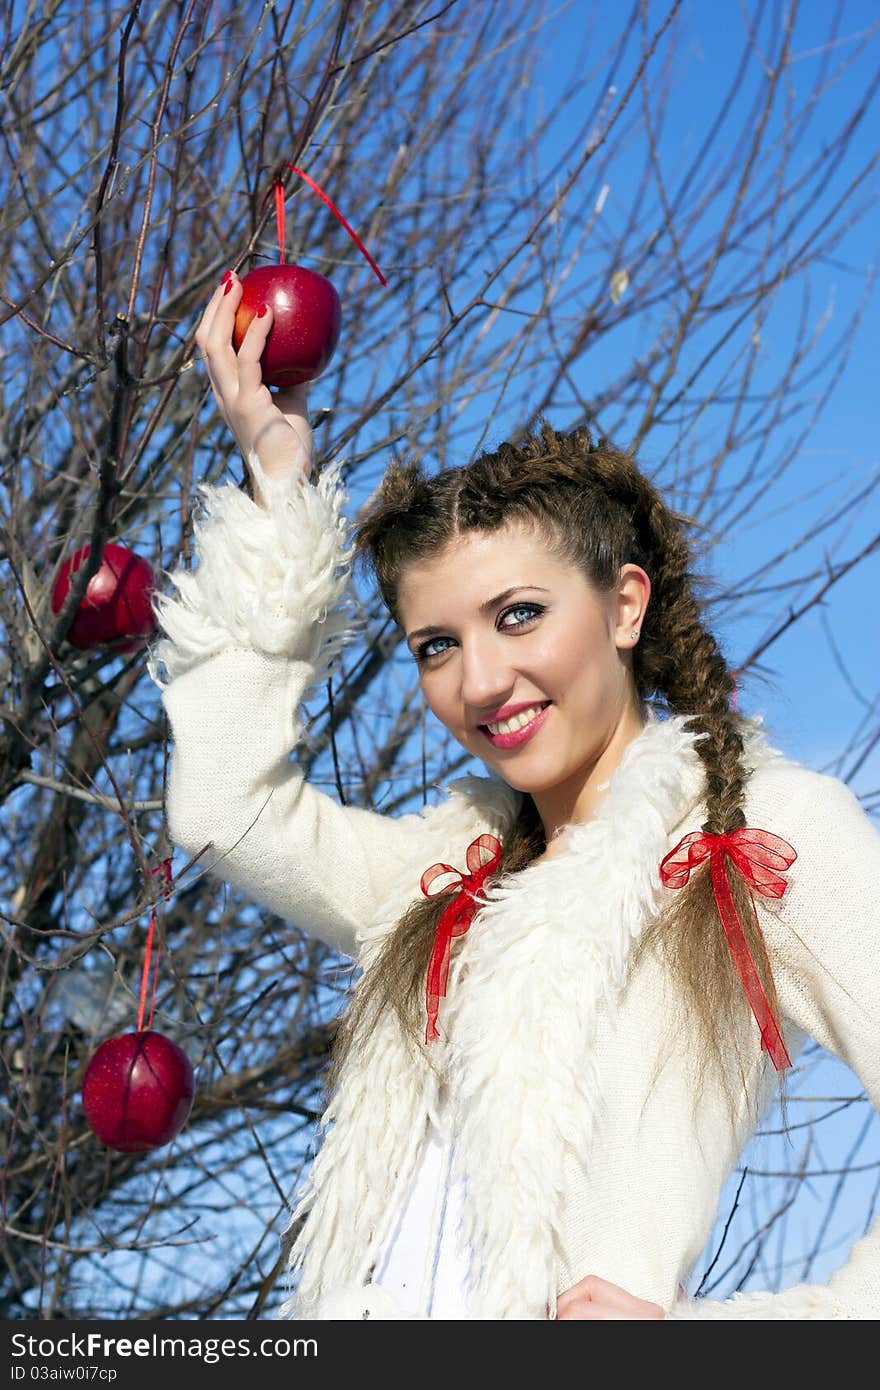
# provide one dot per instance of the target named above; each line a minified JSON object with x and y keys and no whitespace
{"x":116,"y":607}
{"x":137,"y":1091}
{"x":306,"y":319}
{"x":306,"y":312}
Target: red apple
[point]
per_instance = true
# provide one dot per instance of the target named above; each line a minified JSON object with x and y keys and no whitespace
{"x":116,"y":606}
{"x":307,"y":317}
{"x":137,"y":1091}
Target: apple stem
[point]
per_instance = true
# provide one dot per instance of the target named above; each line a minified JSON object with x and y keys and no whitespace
{"x":164,"y":866}
{"x":279,"y":219}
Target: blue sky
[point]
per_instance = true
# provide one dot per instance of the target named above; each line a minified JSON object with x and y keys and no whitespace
{"x":823,"y":676}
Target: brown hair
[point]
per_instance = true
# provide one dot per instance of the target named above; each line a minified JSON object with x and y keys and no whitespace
{"x":597,"y":511}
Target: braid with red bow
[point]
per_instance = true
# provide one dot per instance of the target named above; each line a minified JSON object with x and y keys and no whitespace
{"x":760,"y":858}
{"x":457,"y":917}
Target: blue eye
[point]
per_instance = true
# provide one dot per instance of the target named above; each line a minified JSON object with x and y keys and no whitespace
{"x":430,"y":648}
{"x":523,"y":613}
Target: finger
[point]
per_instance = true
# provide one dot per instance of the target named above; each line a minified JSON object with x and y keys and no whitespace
{"x":600,"y":1290}
{"x":603,"y":1291}
{"x":217,"y":350}
{"x":251,"y":350}
{"x":219,"y":339}
{"x":610,"y":1301}
{"x":595,"y":1312}
{"x":581,"y":1292}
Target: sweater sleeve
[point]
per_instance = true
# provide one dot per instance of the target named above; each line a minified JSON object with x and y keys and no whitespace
{"x":827,"y":968}
{"x":249,"y":631}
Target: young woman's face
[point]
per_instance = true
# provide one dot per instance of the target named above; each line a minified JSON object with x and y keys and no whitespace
{"x":525,"y":663}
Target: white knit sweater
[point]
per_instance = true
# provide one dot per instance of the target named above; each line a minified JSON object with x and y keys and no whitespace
{"x":582,"y":1141}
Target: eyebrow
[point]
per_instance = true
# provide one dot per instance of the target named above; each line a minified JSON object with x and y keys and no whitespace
{"x":486,"y":607}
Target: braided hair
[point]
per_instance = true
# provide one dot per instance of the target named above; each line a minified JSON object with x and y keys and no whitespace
{"x":596,"y":510}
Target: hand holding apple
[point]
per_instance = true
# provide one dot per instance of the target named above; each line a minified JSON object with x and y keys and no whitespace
{"x":277,"y":327}
{"x":274,"y":427}
{"x":306,"y":319}
{"x":306,"y":311}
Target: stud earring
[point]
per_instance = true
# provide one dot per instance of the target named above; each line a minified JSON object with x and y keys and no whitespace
{"x":635,"y":634}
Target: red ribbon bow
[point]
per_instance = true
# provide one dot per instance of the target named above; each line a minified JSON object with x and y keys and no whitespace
{"x":760,"y":858}
{"x":456,"y":918}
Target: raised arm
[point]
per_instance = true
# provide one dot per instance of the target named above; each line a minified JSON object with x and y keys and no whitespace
{"x":250,"y":629}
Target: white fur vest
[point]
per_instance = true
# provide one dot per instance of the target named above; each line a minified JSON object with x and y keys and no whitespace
{"x":551,"y":944}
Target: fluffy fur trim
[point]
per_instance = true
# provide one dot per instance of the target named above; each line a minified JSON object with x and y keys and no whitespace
{"x":274,"y":580}
{"x":553,"y":943}
{"x":376,"y":1120}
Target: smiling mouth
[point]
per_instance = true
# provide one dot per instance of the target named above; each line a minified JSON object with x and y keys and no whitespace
{"x":516,"y":721}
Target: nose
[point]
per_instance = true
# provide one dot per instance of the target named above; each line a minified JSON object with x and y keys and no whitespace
{"x":487,"y":677}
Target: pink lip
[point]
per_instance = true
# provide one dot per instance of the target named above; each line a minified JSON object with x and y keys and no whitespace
{"x":508,"y":711}
{"x":520,"y":736}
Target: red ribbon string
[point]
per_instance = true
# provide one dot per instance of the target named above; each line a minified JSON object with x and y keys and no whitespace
{"x":279,"y":219}
{"x":761,"y":858}
{"x":163,"y":867}
{"x":456,"y":918}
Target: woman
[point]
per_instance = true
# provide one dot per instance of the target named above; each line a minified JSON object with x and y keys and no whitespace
{"x":569,"y":1018}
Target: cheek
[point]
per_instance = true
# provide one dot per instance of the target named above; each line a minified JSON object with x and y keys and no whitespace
{"x":574,"y":664}
{"x":439,"y":691}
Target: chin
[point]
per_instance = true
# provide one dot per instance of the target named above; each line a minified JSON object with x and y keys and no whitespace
{"x":522,"y":782}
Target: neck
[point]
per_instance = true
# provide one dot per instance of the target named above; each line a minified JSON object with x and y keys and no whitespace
{"x":575,"y":802}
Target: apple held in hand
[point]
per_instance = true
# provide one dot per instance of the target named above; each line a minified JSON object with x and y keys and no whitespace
{"x":116,"y":607}
{"x":137,"y":1091}
{"x":306,"y":313}
{"x":306,"y":319}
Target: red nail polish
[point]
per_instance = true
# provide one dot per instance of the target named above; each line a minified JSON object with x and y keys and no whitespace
{"x":227,"y":276}
{"x":227,"y":287}
{"x":262,"y":311}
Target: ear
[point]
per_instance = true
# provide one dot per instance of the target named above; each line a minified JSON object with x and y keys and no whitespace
{"x":631,"y":600}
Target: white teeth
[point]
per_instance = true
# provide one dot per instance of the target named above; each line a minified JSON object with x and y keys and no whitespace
{"x":517,"y":721}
